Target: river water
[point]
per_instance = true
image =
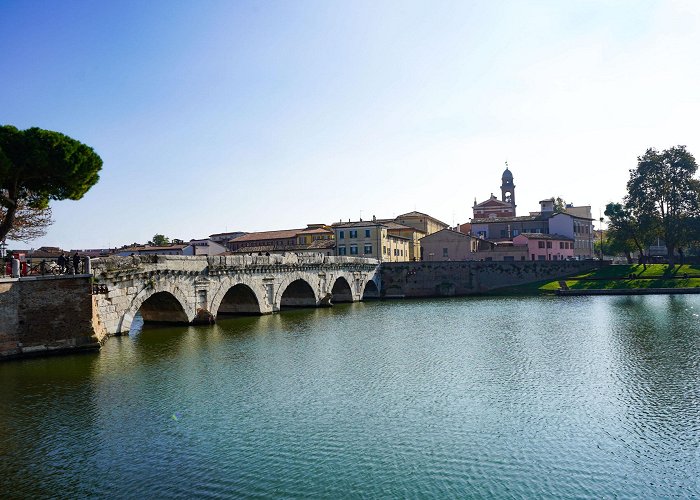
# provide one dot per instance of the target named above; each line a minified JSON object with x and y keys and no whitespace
{"x":469,"y":397}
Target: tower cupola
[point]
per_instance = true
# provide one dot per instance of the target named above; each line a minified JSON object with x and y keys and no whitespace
{"x":508,"y":188}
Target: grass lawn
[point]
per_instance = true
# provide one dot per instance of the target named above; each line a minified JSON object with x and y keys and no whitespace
{"x":617,"y":277}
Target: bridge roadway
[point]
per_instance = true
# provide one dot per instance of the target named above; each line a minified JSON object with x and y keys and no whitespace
{"x":181,"y":289}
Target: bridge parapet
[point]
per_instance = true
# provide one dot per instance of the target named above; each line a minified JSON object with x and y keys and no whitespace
{"x":115,"y":267}
{"x":286,"y":262}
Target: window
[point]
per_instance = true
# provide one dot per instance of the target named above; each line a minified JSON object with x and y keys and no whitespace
{"x":503,"y":233}
{"x":549,"y":244}
{"x":508,"y":258}
{"x":368,"y":233}
{"x":368,"y":249}
{"x":341,"y":250}
{"x":516,"y":232}
{"x":384,"y":249}
{"x":353,"y":249}
{"x":444,"y":252}
{"x":353,"y":233}
{"x":341,"y":235}
{"x":561,"y":244}
{"x":541,"y":257}
{"x":540,"y":244}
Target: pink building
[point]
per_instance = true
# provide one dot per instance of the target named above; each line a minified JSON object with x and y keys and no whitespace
{"x":546,"y":246}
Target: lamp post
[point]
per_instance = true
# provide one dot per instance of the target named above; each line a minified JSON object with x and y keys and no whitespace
{"x":601,"y":240}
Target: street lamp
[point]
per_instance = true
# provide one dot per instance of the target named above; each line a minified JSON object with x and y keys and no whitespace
{"x":601,"y":240}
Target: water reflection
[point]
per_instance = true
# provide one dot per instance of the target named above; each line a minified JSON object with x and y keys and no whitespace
{"x":469,"y":397}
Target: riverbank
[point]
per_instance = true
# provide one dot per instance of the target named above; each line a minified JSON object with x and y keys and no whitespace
{"x":618,"y":280}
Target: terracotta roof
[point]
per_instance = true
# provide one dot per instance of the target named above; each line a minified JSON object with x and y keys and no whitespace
{"x":494,"y":202}
{"x":402,"y":227}
{"x":315,"y":230}
{"x":421,"y":214}
{"x":316,"y":245}
{"x":267,"y":235}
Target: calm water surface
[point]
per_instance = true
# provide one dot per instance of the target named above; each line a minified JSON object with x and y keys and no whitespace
{"x":483,"y":398}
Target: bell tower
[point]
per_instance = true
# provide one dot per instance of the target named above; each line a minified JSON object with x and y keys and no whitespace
{"x":508,"y":188}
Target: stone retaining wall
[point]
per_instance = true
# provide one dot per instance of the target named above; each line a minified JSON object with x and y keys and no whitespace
{"x":445,"y":279}
{"x":44,"y":315}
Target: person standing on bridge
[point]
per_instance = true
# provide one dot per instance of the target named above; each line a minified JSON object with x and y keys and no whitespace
{"x":76,"y":263}
{"x":62,"y":262}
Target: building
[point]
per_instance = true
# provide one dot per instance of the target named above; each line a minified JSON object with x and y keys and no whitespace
{"x":314,"y":232}
{"x":176,"y":249}
{"x":370,"y":239}
{"x":414,"y":235}
{"x":265,"y":241}
{"x":422,"y":222}
{"x":504,"y":251}
{"x":205,"y":247}
{"x":546,"y":246}
{"x":449,"y":245}
{"x":315,"y":238}
{"x":507,"y":228}
{"x":496,"y":220}
{"x":494,"y":208}
{"x":224,"y":238}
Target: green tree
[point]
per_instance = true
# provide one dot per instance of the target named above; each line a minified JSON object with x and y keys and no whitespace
{"x":662,"y":189}
{"x":37,"y":166}
{"x":559,"y":204}
{"x":159,"y":240}
{"x":629,"y":231}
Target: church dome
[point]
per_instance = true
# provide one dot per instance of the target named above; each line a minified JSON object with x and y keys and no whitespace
{"x":507,"y":175}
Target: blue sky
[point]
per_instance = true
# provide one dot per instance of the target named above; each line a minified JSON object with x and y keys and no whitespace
{"x":216,"y":116}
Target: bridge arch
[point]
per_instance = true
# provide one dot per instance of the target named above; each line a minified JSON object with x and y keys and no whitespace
{"x":244,"y":283}
{"x":296,"y":292}
{"x":239,"y":299}
{"x":370,"y":291}
{"x":341,"y":291}
{"x":168,"y":305}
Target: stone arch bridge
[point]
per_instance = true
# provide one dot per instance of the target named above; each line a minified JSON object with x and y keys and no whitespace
{"x":180,"y":289}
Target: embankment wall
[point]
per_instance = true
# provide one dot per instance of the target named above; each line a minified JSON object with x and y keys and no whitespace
{"x":446,"y":279}
{"x":46,"y":315}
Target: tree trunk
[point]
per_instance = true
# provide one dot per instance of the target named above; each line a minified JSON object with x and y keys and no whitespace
{"x":671,"y":255}
{"x":8,"y":221}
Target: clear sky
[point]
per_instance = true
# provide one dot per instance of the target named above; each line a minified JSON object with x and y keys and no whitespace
{"x":216,"y":116}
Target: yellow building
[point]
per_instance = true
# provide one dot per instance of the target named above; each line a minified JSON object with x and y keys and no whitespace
{"x":371,"y":239}
{"x":411,"y":233}
{"x":314,"y":232}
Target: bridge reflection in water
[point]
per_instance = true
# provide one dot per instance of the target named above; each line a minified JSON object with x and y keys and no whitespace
{"x":180,"y":289}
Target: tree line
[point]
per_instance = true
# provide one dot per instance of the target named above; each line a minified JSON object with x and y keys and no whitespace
{"x":662,"y":203}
